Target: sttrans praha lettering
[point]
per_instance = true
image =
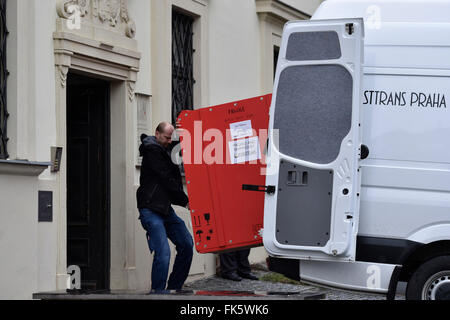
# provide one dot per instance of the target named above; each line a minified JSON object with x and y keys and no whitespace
{"x":413,"y":99}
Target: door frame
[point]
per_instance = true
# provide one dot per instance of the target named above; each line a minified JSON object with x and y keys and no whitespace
{"x":120,"y":67}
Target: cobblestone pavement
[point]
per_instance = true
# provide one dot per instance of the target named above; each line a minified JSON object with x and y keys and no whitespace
{"x":215,"y":283}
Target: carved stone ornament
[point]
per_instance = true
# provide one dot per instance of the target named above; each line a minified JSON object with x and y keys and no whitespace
{"x":107,"y":10}
{"x":64,"y":7}
{"x":113,"y":12}
{"x":131,"y":89}
{"x":110,"y":12}
{"x":63,"y":75}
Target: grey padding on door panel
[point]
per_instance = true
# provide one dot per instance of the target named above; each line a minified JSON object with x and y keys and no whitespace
{"x":322,"y":45}
{"x":313,"y":111}
{"x":304,"y":210}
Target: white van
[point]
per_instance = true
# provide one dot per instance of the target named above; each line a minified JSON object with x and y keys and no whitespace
{"x":360,"y":154}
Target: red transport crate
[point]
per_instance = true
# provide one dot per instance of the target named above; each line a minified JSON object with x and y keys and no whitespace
{"x":223,"y":149}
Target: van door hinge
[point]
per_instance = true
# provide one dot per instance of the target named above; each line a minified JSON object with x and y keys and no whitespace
{"x":267,"y":189}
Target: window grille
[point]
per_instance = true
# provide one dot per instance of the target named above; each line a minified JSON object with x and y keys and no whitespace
{"x":182,"y":64}
{"x":3,"y":75}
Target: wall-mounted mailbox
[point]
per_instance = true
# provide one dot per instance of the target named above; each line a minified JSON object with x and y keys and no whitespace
{"x":45,"y":206}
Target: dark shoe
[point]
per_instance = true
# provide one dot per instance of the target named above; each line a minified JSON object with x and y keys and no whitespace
{"x":249,"y":276}
{"x":232,"y":276}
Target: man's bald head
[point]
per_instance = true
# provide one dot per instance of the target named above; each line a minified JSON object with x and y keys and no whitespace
{"x":163,"y":133}
{"x":162,"y":126}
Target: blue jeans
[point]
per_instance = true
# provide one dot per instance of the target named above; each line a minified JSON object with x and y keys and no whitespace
{"x":160,"y":228}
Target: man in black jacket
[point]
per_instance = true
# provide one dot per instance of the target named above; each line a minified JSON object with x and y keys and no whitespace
{"x":160,"y":187}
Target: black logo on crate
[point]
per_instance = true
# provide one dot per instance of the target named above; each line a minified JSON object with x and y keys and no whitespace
{"x":236,"y":110}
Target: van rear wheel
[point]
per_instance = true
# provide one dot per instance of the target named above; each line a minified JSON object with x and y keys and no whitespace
{"x":431,"y":281}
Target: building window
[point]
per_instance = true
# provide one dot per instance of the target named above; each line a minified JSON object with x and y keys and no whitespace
{"x":182,"y":64}
{"x":3,"y":75}
{"x":276,"y":52}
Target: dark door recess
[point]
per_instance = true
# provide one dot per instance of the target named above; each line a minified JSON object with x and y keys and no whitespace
{"x":88,"y":176}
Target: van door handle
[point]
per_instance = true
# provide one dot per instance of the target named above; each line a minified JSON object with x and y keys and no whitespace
{"x":296,"y":178}
{"x":266,"y":189}
{"x":364,"y":151}
{"x":292,"y":177}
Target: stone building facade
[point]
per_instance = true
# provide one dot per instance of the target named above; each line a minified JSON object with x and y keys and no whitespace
{"x":81,"y":80}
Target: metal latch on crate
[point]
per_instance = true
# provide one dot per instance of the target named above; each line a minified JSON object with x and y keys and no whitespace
{"x":267,"y":189}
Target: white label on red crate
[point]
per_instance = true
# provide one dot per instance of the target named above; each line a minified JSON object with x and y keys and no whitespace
{"x":241,"y":129}
{"x":244,"y":150}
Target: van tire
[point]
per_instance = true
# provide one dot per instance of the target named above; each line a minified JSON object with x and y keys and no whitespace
{"x":430,"y":281}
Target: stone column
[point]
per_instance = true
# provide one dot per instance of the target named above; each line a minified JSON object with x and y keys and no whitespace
{"x":62,"y":65}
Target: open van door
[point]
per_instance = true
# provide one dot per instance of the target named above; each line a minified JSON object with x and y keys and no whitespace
{"x":315,"y":142}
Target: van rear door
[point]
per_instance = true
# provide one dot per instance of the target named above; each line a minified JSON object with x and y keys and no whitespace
{"x":315,"y":142}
